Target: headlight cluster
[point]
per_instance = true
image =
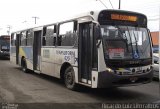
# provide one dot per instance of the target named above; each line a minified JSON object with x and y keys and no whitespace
{"x":133,"y":71}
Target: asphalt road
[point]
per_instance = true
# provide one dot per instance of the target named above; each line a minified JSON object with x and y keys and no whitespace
{"x":19,"y":87}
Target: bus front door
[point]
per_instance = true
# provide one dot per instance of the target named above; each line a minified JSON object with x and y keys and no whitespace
{"x":36,"y":50}
{"x":85,"y":52}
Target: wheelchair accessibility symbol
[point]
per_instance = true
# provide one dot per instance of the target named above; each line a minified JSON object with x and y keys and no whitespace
{"x":135,"y":55}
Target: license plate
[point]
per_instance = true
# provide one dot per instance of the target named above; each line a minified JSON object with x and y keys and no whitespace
{"x":139,"y":69}
{"x":133,"y":79}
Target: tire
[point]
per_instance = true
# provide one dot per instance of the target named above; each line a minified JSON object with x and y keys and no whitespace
{"x":24,"y":65}
{"x":69,"y":79}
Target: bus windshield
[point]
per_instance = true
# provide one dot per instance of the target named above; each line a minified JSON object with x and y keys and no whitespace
{"x":125,"y":42}
{"x":4,"y":43}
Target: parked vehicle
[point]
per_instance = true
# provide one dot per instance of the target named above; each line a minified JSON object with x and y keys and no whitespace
{"x":5,"y":46}
{"x":155,"y":49}
{"x":106,"y":48}
{"x":156,"y":65}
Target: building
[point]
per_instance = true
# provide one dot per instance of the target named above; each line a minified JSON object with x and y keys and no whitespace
{"x":155,"y":41}
{"x":154,"y":36}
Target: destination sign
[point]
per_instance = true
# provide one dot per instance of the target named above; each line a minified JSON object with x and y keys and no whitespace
{"x":123,"y":17}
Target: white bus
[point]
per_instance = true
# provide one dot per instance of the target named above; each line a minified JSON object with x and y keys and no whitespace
{"x":107,"y":48}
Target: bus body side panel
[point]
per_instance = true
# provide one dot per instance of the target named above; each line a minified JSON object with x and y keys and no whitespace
{"x":101,"y":67}
{"x":68,"y":55}
{"x":13,"y":54}
{"x":94,"y":79}
{"x":27,"y":52}
{"x":76,"y":73}
{"x":101,"y":62}
{"x":47,"y":61}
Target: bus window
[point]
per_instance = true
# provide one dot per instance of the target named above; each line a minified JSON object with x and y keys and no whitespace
{"x":67,"y":34}
{"x":29,"y":38}
{"x":50,"y":34}
{"x":23,"y":38}
{"x":13,"y":39}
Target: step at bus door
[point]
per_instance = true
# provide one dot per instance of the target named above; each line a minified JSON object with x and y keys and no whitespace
{"x":85,"y":52}
{"x":36,"y":49}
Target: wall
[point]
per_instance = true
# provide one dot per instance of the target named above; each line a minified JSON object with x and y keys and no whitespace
{"x":154,"y":36}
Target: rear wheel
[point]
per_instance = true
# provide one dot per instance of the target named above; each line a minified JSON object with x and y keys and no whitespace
{"x":24,"y":65}
{"x":69,"y":78}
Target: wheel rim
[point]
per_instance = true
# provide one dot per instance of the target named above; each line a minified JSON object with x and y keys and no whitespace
{"x":23,"y":66}
{"x":69,"y":78}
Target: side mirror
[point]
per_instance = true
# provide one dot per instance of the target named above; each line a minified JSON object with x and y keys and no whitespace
{"x":97,"y":35}
{"x":97,"y":32}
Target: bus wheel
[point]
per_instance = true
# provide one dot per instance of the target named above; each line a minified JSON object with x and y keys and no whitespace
{"x":69,"y":78}
{"x":23,"y":65}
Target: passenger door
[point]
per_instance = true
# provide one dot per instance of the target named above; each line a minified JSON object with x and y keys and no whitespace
{"x":85,"y":50}
{"x":37,"y":49}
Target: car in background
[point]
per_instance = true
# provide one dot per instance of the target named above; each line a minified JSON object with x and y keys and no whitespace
{"x":155,"y":48}
{"x":156,"y":65}
{"x":4,"y":46}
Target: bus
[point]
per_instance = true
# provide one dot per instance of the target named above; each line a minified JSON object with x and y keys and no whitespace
{"x":99,"y":49}
{"x":5,"y":46}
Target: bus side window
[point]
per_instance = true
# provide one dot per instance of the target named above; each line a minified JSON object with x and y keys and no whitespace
{"x":13,"y":38}
{"x":50,"y":37}
{"x":67,"y":34}
{"x":23,"y":38}
{"x":29,"y":38}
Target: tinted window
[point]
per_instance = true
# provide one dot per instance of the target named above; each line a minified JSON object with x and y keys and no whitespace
{"x":29,"y":38}
{"x":13,"y":39}
{"x":67,"y":34}
{"x":49,"y":36}
{"x":23,"y":38}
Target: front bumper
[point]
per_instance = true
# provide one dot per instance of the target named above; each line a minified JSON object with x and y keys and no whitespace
{"x":107,"y":79}
{"x":3,"y":54}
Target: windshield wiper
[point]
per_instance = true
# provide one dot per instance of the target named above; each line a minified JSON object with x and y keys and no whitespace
{"x":130,"y":39}
{"x":122,"y":37}
{"x":135,"y":42}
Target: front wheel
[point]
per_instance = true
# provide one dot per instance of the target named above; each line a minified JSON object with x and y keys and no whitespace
{"x":69,"y":78}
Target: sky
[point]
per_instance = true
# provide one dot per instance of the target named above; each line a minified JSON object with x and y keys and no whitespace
{"x":18,"y":14}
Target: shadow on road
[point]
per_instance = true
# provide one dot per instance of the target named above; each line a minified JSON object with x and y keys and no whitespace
{"x":43,"y":76}
{"x":113,"y":94}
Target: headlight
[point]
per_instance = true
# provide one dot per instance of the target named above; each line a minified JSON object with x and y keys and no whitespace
{"x":109,"y":70}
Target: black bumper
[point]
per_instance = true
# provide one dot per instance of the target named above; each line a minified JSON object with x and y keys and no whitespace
{"x":107,"y":79}
{"x":5,"y":54}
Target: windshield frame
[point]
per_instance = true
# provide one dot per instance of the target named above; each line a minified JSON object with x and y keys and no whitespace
{"x":147,"y":35}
